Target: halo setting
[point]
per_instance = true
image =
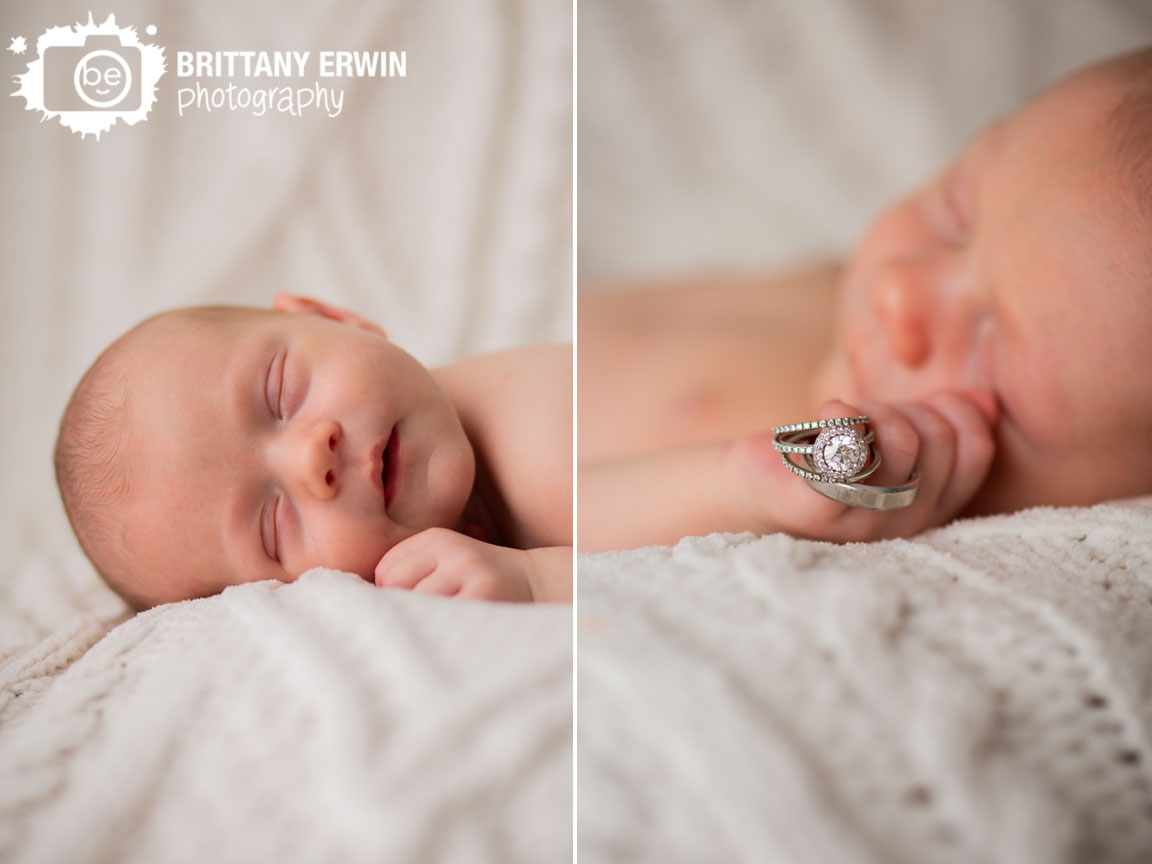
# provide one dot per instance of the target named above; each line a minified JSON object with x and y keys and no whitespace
{"x":839,"y":453}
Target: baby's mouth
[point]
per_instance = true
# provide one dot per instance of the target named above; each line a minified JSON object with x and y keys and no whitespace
{"x":389,"y":468}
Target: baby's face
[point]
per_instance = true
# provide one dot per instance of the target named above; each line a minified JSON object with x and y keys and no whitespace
{"x":266,"y":443}
{"x":1023,"y":269}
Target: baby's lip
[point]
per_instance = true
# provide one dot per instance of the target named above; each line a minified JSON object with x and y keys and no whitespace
{"x":376,"y":465}
{"x":392,"y":474}
{"x":384,"y":466}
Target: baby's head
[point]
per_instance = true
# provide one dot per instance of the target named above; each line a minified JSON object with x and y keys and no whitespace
{"x":1025,"y":269}
{"x":213,"y":446}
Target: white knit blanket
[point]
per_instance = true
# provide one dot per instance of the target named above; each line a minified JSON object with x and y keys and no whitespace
{"x":325,"y":720}
{"x":981,"y":693}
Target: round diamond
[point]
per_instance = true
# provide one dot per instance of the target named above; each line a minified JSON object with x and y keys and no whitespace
{"x":839,"y":453}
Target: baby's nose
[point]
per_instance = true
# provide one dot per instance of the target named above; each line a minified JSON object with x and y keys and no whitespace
{"x":900,"y":299}
{"x":315,"y":459}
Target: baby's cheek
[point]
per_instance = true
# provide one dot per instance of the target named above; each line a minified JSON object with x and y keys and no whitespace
{"x":449,"y":478}
{"x":355,"y":545}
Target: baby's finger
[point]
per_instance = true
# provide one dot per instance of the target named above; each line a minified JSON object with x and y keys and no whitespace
{"x":897,"y":441}
{"x":440,"y":582}
{"x":934,"y":462}
{"x":403,"y":568}
{"x":480,"y":589}
{"x":420,"y":547}
{"x":975,"y":447}
{"x":787,"y":499}
{"x":420,"y":541}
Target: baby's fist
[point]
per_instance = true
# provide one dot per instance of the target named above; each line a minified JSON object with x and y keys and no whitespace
{"x":947,"y":437}
{"x":451,"y":564}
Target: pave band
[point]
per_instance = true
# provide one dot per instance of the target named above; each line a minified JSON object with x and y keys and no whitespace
{"x":807,"y":474}
{"x":820,"y":424}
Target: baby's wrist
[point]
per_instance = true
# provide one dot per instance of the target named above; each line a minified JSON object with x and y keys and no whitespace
{"x":549,"y":574}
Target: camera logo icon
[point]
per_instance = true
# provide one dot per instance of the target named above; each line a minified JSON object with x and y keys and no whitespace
{"x":101,"y":75}
{"x":92,"y":76}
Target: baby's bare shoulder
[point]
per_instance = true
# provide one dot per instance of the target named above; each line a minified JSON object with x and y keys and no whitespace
{"x":532,"y":460}
{"x":547,"y":365}
{"x":536,"y":380}
{"x":531,"y":397}
{"x":521,"y":402}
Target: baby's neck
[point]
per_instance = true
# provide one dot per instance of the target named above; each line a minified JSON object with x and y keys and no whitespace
{"x":485,"y":517}
{"x":515,"y":407}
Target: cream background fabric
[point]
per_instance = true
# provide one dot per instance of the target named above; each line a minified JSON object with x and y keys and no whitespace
{"x":741,"y":136}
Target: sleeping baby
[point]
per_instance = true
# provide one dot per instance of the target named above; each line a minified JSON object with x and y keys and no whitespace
{"x":993,"y":328}
{"x":213,"y":446}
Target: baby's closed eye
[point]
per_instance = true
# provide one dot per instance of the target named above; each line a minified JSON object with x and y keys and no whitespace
{"x":274,"y":384}
{"x":269,"y":535}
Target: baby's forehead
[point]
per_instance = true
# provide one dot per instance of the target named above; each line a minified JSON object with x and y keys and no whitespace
{"x":201,"y":321}
{"x":173,"y":362}
{"x":183,"y":340}
{"x":1117,"y":96}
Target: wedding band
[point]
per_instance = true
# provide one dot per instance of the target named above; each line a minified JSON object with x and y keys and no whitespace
{"x":870,"y":497}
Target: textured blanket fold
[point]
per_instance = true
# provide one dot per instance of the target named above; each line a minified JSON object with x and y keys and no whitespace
{"x":325,"y":720}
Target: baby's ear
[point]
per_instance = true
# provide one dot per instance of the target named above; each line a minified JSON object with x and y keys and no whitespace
{"x":297,"y":305}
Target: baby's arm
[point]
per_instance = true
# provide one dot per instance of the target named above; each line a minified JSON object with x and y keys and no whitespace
{"x":743,"y":486}
{"x":446,"y":562}
{"x":658,"y":499}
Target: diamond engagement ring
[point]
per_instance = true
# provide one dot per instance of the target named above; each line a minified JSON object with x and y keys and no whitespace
{"x":838,"y":457}
{"x":838,"y":452}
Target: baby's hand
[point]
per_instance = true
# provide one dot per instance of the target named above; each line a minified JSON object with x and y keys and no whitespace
{"x":948,"y":436}
{"x":446,"y":562}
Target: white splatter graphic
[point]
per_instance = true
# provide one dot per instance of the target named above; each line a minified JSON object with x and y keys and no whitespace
{"x":91,"y":75}
{"x":18,"y":45}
